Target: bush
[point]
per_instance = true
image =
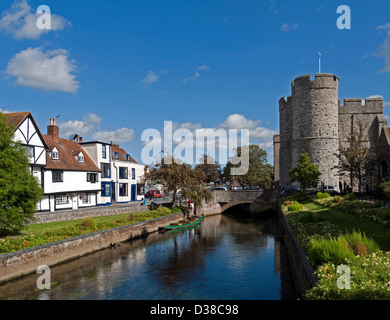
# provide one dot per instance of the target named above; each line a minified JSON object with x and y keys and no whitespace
{"x":321,"y":195}
{"x":299,"y":196}
{"x":350,"y":197}
{"x":89,"y":223}
{"x":308,"y":216}
{"x":164,"y":210}
{"x":296,"y":206}
{"x":337,"y":250}
{"x":337,"y":199}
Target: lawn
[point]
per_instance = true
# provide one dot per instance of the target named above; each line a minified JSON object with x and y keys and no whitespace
{"x":348,"y":222}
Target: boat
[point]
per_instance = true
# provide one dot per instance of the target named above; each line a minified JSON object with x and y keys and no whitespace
{"x":183,"y":224}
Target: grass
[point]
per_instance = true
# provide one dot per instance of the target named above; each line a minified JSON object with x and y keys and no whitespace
{"x":349,"y":223}
{"x":37,"y":234}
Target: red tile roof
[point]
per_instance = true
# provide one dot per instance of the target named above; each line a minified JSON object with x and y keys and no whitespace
{"x":15,"y":119}
{"x":122,"y":153}
{"x":67,"y":149}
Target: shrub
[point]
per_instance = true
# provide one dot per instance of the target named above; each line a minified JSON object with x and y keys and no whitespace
{"x":131,"y":216}
{"x":296,"y":206}
{"x":89,"y":223}
{"x":333,"y":250}
{"x":337,"y":199}
{"x":321,"y":195}
{"x":337,"y":250}
{"x":309,"y":216}
{"x":350,"y":197}
{"x":164,"y":210}
{"x":299,"y":196}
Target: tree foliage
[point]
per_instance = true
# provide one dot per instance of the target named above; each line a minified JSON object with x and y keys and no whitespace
{"x":176,"y":176}
{"x":260,"y":173}
{"x":357,"y":157}
{"x":305,"y":172}
{"x":19,"y":189}
{"x":210,"y":168}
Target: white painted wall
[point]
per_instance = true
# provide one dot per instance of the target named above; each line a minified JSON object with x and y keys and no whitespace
{"x":73,"y":181}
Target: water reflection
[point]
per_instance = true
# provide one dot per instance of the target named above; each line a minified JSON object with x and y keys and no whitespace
{"x":223,"y":258}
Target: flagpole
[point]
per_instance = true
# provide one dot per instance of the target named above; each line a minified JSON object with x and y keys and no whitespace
{"x":319,"y":62}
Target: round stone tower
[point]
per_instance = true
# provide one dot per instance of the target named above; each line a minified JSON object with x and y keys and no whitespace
{"x":315,"y":123}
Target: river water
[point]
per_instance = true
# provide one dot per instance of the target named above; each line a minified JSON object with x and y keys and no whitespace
{"x":227,"y":257}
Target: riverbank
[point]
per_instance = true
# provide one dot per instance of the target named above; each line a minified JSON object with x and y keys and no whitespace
{"x":332,"y":238}
{"x":19,"y":263}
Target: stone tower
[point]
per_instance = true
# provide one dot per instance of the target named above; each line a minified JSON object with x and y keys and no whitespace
{"x":313,"y":121}
{"x":309,"y":123}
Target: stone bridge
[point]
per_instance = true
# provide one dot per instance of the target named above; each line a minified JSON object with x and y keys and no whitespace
{"x":223,"y":200}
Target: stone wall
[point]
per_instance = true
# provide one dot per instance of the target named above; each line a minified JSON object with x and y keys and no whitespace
{"x":16,"y":264}
{"x":302,"y":272}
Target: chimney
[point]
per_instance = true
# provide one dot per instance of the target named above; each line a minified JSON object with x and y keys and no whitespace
{"x":52,"y":129}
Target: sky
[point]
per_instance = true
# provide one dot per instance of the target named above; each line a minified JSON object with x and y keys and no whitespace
{"x":113,"y":70}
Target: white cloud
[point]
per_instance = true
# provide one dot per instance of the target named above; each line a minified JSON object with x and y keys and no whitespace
{"x":50,"y":70}
{"x":386,"y":104}
{"x":197,"y":73}
{"x":150,"y":78}
{"x":287,"y":28}
{"x":82,"y":127}
{"x":121,"y":135}
{"x":384,"y":49}
{"x":238,"y":121}
{"x":385,"y":26}
{"x":89,"y":127}
{"x":20,"y":21}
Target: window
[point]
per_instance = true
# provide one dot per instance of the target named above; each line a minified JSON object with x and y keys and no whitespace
{"x":132,"y":173}
{"x":92,"y":177}
{"x":123,"y":190}
{"x":116,"y":155}
{"x":123,"y":173}
{"x":106,"y":172}
{"x":80,"y":157}
{"x":85,"y":198}
{"x":58,"y":176}
{"x":62,"y":199}
{"x":29,"y":151}
{"x":103,"y":151}
{"x":106,"y":189}
{"x":128,"y":157}
{"x":54,"y":154}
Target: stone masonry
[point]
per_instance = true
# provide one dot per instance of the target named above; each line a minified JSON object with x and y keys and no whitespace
{"x":313,"y":120}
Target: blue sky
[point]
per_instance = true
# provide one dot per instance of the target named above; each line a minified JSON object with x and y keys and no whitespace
{"x":112,"y":69}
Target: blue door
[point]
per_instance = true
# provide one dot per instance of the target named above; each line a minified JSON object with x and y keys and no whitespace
{"x":133,"y":192}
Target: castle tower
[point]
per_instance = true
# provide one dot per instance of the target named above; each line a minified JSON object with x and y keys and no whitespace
{"x":315,"y":123}
{"x":286,"y":128}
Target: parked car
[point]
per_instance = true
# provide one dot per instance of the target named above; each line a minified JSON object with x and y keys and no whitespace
{"x":331,"y":190}
{"x":287,"y":191}
{"x":153,"y":193}
{"x":219,"y":188}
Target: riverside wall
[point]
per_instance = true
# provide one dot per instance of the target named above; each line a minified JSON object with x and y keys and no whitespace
{"x":302,"y":272}
{"x":20,"y":263}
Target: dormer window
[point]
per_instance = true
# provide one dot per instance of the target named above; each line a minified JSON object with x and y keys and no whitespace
{"x":128,"y":157}
{"x":116,"y":155}
{"x":80,"y":157}
{"x":54,"y":154}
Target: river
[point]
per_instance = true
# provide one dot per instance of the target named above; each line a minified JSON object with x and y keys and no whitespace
{"x":227,"y":257}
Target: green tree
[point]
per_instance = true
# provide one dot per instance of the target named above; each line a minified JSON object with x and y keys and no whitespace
{"x":19,"y":189}
{"x":211,"y":168}
{"x":260,"y":173}
{"x":357,"y":157}
{"x":305,"y":172}
{"x":176,"y":176}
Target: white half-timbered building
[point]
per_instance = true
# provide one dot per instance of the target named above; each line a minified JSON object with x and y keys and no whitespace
{"x":27,"y":133}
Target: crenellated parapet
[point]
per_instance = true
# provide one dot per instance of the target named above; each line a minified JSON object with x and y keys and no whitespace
{"x":371,"y":105}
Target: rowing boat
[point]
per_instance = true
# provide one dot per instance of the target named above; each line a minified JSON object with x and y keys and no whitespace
{"x":182,"y":224}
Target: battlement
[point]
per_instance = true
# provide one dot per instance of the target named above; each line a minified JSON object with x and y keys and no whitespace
{"x":285,"y":103}
{"x":321,"y":80}
{"x":372,"y":105}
